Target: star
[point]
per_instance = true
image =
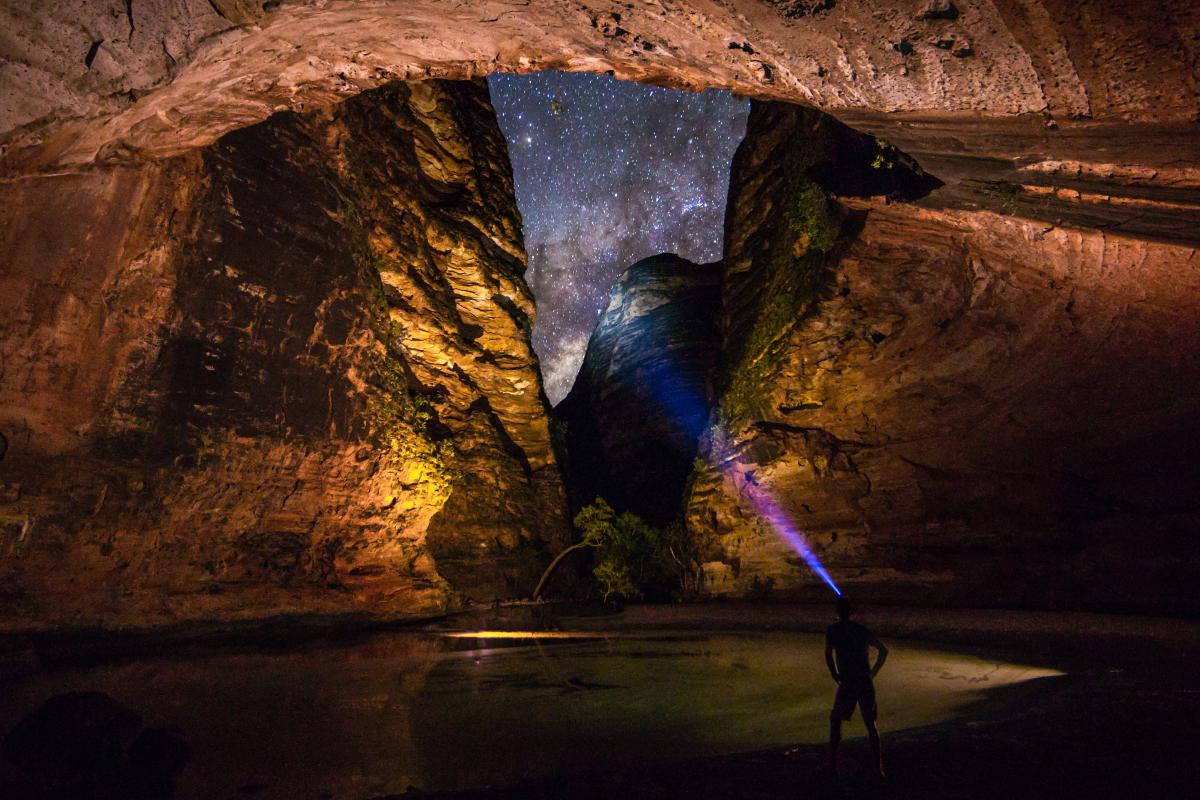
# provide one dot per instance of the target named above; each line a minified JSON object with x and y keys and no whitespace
{"x":606,"y":173}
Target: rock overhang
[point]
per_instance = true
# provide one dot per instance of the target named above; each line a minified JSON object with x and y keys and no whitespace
{"x":1078,"y":114}
{"x":95,"y":81}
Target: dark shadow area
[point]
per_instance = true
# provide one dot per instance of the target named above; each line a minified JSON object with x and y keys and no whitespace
{"x":87,"y":746}
{"x":1110,"y":728}
{"x":390,"y":709}
{"x":1087,"y":736}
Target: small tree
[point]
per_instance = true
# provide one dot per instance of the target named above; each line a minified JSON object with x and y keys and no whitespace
{"x":594,"y":522}
{"x":612,"y":578}
{"x":629,"y":560}
{"x":632,"y":557}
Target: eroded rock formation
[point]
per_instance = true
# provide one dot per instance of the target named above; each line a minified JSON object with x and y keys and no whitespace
{"x":955,"y":406}
{"x":289,"y":372}
{"x":1083,"y":112}
{"x":641,"y":399}
{"x":937,"y":407}
{"x":88,"y":79}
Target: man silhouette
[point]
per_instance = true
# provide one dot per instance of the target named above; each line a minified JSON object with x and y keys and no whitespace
{"x":853,"y":674}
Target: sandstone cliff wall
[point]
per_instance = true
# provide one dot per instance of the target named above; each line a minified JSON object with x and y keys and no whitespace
{"x":954,"y":405}
{"x":642,"y":396}
{"x":287,"y":373}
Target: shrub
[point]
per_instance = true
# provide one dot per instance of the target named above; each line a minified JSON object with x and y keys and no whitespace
{"x":632,"y":558}
{"x":629,"y":552}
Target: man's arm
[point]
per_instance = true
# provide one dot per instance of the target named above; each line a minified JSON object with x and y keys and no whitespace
{"x":829,"y":661}
{"x":883,"y":651}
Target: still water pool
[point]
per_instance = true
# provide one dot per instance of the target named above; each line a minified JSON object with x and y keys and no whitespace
{"x":440,"y":712}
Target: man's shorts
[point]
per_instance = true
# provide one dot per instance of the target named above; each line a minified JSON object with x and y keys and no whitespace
{"x":854,"y":692}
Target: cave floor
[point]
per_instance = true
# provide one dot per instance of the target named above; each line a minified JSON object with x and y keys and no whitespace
{"x":1102,"y":735}
{"x":1119,"y":722}
{"x":722,"y":701}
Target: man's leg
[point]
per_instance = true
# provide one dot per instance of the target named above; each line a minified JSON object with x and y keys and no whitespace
{"x":876,"y":747}
{"x":835,"y":738}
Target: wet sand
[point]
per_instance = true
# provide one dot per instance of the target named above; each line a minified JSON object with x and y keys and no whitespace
{"x":1116,"y":723}
{"x":446,"y":711}
{"x":1119,"y":724}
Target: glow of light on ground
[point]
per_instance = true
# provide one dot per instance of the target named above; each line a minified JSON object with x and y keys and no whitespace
{"x":518,"y":635}
{"x":376,"y":716}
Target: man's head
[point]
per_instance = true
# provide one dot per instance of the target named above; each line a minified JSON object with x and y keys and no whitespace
{"x":843,"y":608}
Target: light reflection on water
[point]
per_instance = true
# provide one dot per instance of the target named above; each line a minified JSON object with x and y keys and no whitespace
{"x":435,"y":712}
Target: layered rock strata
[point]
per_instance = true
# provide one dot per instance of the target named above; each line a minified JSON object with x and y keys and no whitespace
{"x":1080,"y":118}
{"x":1082,"y":113}
{"x":286,"y":373}
{"x":642,"y":396}
{"x":957,"y":406}
{"x":88,"y":80}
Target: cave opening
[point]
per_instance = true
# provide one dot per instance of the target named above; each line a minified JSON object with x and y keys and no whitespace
{"x":622,"y":189}
{"x":606,"y":173}
{"x":403,"y":341}
{"x":270,"y":393}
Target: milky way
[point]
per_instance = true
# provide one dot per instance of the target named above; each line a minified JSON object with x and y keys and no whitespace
{"x":608,"y":172}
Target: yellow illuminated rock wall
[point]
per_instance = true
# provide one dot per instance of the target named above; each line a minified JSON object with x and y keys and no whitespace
{"x":286,"y":373}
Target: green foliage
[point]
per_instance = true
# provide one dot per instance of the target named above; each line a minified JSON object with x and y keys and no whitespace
{"x":612,"y":580}
{"x":397,"y":420}
{"x":807,"y":223}
{"x":634,"y":559}
{"x":886,"y":157}
{"x":595,"y":523}
{"x":803,"y":233}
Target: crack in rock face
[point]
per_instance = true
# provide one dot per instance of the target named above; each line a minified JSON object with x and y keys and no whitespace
{"x":265,"y":331}
{"x":309,"y":387}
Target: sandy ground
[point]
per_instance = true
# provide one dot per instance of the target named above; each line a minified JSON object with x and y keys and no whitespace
{"x":1119,"y":724}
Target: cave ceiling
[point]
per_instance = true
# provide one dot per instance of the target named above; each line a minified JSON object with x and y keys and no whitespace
{"x":105,"y":80}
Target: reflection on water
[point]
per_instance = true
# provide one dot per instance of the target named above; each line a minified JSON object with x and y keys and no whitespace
{"x":436,"y":712}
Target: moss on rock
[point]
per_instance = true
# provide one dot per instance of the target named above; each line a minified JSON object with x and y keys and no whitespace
{"x":802,"y":234}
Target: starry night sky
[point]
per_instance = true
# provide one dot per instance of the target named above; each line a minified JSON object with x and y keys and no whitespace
{"x":608,"y":172}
